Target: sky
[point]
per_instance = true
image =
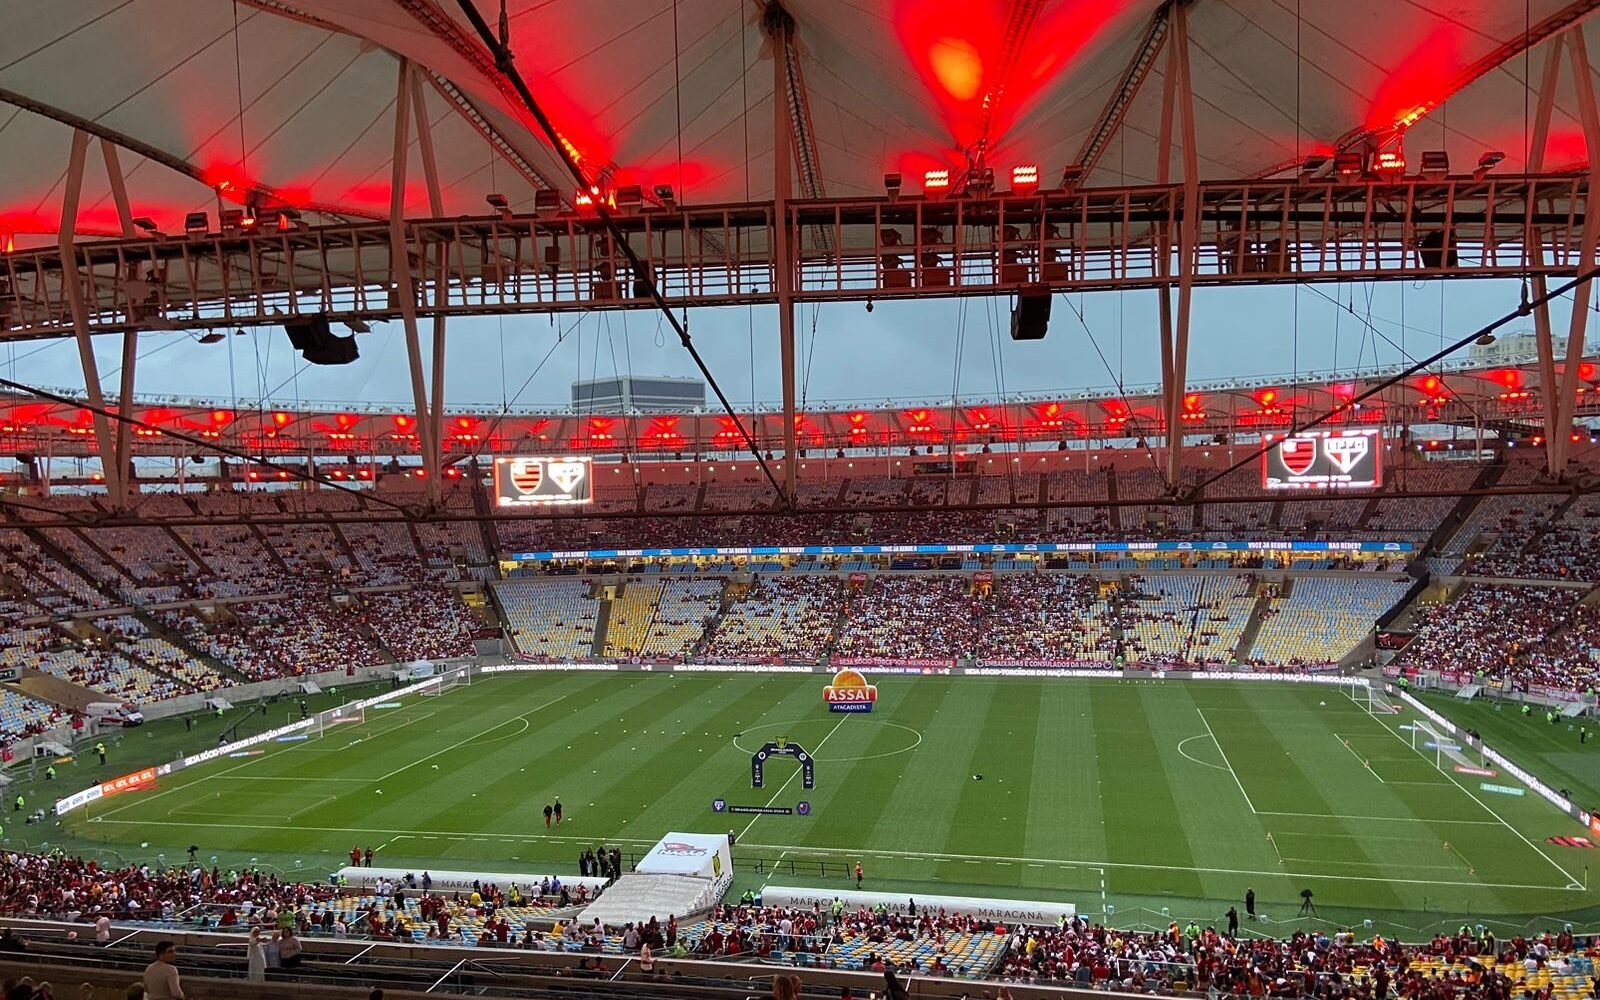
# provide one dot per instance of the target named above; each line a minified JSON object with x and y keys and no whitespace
{"x":907,"y":351}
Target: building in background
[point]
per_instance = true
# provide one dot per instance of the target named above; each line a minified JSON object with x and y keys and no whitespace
{"x":639,"y":394}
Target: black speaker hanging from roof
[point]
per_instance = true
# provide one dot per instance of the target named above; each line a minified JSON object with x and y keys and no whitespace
{"x":317,"y":344}
{"x":1031,"y":316}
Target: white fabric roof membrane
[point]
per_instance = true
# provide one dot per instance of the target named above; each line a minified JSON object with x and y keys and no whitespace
{"x":297,"y":96}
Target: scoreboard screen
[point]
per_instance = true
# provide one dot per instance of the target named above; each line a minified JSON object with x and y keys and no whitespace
{"x":542,"y":481}
{"x":1324,"y":460}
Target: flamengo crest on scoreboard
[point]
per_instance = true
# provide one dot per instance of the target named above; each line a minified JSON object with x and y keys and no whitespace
{"x":849,"y":692}
{"x":541,"y":480}
{"x":1324,"y":460}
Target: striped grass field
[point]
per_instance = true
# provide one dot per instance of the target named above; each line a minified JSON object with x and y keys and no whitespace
{"x":1146,"y":799}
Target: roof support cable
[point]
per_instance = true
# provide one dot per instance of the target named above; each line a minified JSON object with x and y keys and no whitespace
{"x":1523,"y":310}
{"x":643,"y":276}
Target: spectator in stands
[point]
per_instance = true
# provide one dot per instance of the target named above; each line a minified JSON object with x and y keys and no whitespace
{"x":161,"y":976}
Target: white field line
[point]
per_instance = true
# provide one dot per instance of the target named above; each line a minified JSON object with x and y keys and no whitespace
{"x":1225,"y":761}
{"x":805,"y":851}
{"x":1573,"y":882}
{"x":801,"y":770}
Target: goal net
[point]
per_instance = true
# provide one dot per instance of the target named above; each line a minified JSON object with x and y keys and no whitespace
{"x":448,"y":681}
{"x":343,"y":715}
{"x":1428,"y":739}
{"x":1370,"y":697}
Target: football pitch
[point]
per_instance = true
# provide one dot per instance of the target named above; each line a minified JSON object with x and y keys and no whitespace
{"x":1145,"y":799}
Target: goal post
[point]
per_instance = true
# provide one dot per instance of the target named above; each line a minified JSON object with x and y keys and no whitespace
{"x":448,"y":681}
{"x":1428,"y":739}
{"x":343,"y":715}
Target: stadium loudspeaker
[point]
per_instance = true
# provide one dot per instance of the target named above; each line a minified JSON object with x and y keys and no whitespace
{"x":317,"y":344}
{"x":1031,"y":317}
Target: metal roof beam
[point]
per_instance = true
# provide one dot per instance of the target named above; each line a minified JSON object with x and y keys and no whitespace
{"x":1115,"y":112}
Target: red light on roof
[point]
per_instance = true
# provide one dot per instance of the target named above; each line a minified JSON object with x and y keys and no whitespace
{"x":1191,"y":401}
{"x":936,"y":180}
{"x":452,"y":473}
{"x":281,"y":418}
{"x":254,"y":475}
{"x":97,"y":477}
{"x":1390,"y":161}
{"x":364,"y":474}
{"x":282,"y":474}
{"x":419,"y":473}
{"x":1025,"y":175}
{"x":1511,"y":378}
{"x":858,"y":418}
{"x":1431,"y":383}
{"x":1266,"y":397}
{"x":345,"y":420}
{"x":338,"y":473}
{"x":221,"y":417}
{"x":465,"y":423}
{"x":1586,"y":371}
{"x":1408,"y":119}
{"x":402,"y":421}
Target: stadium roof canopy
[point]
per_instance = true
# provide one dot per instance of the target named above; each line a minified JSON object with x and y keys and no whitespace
{"x":296,"y":98}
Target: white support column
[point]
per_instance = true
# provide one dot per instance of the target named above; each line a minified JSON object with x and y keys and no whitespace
{"x":1188,"y":237}
{"x":430,"y":173}
{"x":404,"y":288}
{"x":130,"y":338}
{"x":1589,"y":114}
{"x":1534,"y":249}
{"x":72,"y":291}
{"x":782,"y":154}
{"x":1177,"y":96}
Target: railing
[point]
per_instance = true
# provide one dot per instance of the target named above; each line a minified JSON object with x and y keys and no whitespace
{"x":1249,"y":232}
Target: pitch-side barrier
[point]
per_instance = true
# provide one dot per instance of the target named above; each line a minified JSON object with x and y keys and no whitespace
{"x":302,"y":728}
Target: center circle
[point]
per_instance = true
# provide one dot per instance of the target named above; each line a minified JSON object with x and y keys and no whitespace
{"x":753,"y":742}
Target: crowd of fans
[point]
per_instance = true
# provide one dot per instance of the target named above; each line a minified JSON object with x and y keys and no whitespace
{"x":1524,"y":637}
{"x":935,"y":942}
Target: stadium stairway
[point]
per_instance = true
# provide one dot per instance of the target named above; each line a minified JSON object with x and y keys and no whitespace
{"x":1446,"y":529}
{"x":1252,"y":625}
{"x":161,"y":630}
{"x":272,"y":551}
{"x":602,"y":624}
{"x":1252,"y":628}
{"x":1113,"y":512}
{"x":55,"y":552}
{"x":57,"y":690}
{"x":344,"y":545}
{"x":87,"y":539}
{"x":1367,"y":512}
{"x":482,"y":506}
{"x":190,"y":551}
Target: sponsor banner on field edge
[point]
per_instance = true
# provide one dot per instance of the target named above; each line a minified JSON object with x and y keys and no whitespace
{"x":998,"y":548}
{"x":1477,"y":772}
{"x":131,"y":781}
{"x":1490,"y":786}
{"x":1004,"y":910}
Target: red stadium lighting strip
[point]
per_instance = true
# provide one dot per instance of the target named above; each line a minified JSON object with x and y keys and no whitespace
{"x":1523,"y":310}
{"x":199,"y":442}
